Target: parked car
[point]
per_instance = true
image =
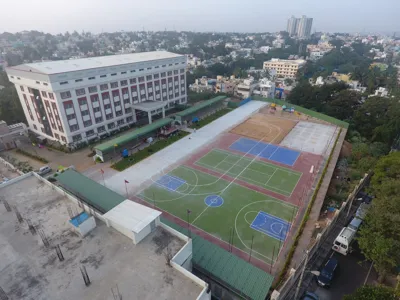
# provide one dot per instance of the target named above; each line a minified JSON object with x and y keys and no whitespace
{"x":328,"y":272}
{"x":310,"y":296}
{"x":44,"y":170}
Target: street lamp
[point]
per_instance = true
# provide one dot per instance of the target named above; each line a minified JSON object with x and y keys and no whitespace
{"x":188,"y":211}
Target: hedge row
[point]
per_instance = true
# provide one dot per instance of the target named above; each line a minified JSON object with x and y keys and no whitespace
{"x":37,"y":157}
{"x":282,"y":274}
{"x":146,"y":152}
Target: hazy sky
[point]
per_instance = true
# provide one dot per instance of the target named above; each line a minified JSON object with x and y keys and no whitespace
{"x":56,"y":16}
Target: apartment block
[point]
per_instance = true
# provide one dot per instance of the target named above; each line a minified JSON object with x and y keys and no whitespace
{"x":283,"y":67}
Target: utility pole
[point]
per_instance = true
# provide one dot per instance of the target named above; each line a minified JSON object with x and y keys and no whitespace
{"x":301,"y":275}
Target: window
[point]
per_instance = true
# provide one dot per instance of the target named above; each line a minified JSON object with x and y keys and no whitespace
{"x":51,"y":96}
{"x":175,"y":72}
{"x":57,"y":136}
{"x":126,"y":101}
{"x":133,"y":71}
{"x":34,"y":126}
{"x":22,"y":88}
{"x":101,"y":129}
{"x":149,"y":77}
{"x":114,"y":85}
{"x":96,"y":109}
{"x":63,"y":139}
{"x":163,"y":74}
{"x":89,"y":133}
{"x":78,"y":80}
{"x":44,"y":94}
{"x":84,"y":112}
{"x":73,"y":128}
{"x":71,"y":116}
{"x":120,"y":122}
{"x":87,"y":123}
{"x":176,"y":63}
{"x":141,"y":79}
{"x":132,"y":80}
{"x":92,"y":89}
{"x":118,"y":113}
{"x":182,"y":70}
{"x":107,"y":106}
{"x":156,"y":76}
{"x":60,"y":129}
{"x":149,"y":68}
{"x":103,"y":87}
{"x":68,"y":105}
{"x":91,"y":78}
{"x":30,"y":90}
{"x":80,"y":92}
{"x":103,"y":76}
{"x":77,"y":137}
{"x":129,"y":119}
{"x":169,"y":73}
{"x":170,"y":65}
{"x":182,"y":77}
{"x":44,"y":83}
{"x":63,"y":82}
{"x":38,"y":82}
{"x":123,"y":72}
{"x":113,"y":74}
{"x":82,"y":101}
{"x":157,"y":67}
{"x":128,"y":110}
{"x":109,"y":117}
{"x":111,"y":125}
{"x":141,"y":70}
{"x":124,"y":82}
{"x":164,"y":66}
{"x":65,"y":95}
{"x":99,"y":120}
{"x":26,"y":99}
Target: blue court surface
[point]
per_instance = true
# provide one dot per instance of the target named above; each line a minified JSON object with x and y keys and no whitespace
{"x":265,"y":150}
{"x":270,"y":225}
{"x":170,"y":183}
{"x":214,"y":200}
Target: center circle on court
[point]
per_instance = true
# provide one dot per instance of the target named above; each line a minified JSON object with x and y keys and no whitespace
{"x":274,"y":227}
{"x":213,"y":200}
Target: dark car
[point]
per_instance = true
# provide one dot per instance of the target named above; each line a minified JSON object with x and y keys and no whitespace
{"x":328,"y":272}
{"x":310,"y":296}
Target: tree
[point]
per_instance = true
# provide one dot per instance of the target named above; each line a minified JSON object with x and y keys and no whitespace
{"x":369,"y":292}
{"x":288,"y":81}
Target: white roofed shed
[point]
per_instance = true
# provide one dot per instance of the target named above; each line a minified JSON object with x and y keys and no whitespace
{"x":133,"y":220}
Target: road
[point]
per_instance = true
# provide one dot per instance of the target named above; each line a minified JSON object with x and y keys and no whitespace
{"x":353,"y":270}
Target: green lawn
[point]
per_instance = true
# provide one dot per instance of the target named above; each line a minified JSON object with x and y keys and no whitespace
{"x":274,"y":178}
{"x":240,"y":207}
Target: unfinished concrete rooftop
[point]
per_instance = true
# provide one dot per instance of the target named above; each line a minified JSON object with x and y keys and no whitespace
{"x":29,"y":270}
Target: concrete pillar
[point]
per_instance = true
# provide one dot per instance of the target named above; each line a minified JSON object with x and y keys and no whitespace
{"x":163,"y":112}
{"x":149,"y":114}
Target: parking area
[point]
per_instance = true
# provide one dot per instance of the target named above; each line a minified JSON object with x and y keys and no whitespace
{"x":352,"y":273}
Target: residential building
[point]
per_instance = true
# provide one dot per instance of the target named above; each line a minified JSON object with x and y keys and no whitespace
{"x":381,"y":92}
{"x":266,"y":88}
{"x":304,"y":27}
{"x":283,"y":67}
{"x":11,"y":134}
{"x":79,"y":100}
{"x":292,"y":25}
{"x":246,"y":87}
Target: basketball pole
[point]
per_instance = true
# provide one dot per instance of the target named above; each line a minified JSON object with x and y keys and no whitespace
{"x":280,"y":240}
{"x":251,"y":248}
{"x":230,"y":239}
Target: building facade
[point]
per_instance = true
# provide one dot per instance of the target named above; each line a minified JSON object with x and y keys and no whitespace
{"x":292,"y":25}
{"x":283,"y":67}
{"x":300,"y":27}
{"x":79,"y":100}
{"x":304,"y":27}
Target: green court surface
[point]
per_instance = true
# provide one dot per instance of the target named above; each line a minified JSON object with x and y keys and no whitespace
{"x":186,"y":189}
{"x":274,"y":178}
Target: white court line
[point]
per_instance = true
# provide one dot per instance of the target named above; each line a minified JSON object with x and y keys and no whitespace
{"x":270,"y":177}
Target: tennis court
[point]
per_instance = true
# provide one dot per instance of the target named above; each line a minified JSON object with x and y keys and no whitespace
{"x":266,"y":150}
{"x":225,"y":209}
{"x":274,"y":178}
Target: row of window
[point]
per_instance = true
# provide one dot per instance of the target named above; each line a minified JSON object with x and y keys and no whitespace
{"x":113,"y":85}
{"x":102,"y":129}
{"x":122,"y":73}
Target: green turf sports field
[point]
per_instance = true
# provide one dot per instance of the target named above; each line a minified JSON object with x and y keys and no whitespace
{"x":274,"y":178}
{"x":240,"y":207}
